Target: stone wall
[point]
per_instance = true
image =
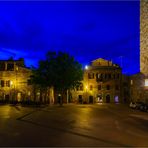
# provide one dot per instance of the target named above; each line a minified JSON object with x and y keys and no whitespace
{"x":138,"y":90}
{"x":117,"y":92}
{"x":18,"y":88}
{"x":15,"y":84}
{"x":144,"y":37}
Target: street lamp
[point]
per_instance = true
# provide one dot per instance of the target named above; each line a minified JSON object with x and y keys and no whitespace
{"x":86,"y":67}
{"x":86,"y":87}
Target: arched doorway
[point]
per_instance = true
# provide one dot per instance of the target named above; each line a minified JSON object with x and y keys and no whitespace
{"x":108,"y":99}
{"x":80,"y":99}
{"x":90,"y":99}
{"x":7,"y":97}
{"x":19,"y":96}
{"x":116,"y":99}
{"x":99,"y":98}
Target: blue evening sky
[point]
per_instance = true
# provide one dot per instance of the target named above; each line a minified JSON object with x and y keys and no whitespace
{"x":86,"y":29}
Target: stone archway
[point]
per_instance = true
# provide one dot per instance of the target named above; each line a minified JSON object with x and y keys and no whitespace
{"x":99,"y":98}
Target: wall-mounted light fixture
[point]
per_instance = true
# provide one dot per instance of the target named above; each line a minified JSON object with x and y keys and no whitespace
{"x":86,"y":87}
{"x":146,"y":82}
{"x":11,"y":83}
{"x":86,"y":67}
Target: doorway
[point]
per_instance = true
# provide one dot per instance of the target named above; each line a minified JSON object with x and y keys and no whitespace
{"x":99,"y":98}
{"x":80,"y":99}
{"x":7,"y":97}
{"x":116,"y":99}
{"x":91,"y":99}
{"x":108,"y":99}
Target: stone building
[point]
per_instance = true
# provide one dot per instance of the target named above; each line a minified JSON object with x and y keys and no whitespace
{"x":138,"y":90}
{"x":139,"y":81}
{"x":144,"y":37}
{"x":102,"y":82}
{"x":15,"y":84}
{"x":14,"y":80}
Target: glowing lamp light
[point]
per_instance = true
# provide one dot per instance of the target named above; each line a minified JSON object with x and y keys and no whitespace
{"x":11,"y":82}
{"x":86,"y":87}
{"x":29,"y":93}
{"x":146,"y":82}
{"x":86,"y":67}
{"x":16,"y":68}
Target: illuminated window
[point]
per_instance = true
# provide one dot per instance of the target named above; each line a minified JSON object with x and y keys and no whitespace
{"x":131,"y":82}
{"x":38,"y":93}
{"x":146,"y":82}
{"x":29,"y":93}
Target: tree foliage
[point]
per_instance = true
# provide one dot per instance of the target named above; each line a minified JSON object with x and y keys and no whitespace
{"x":59,"y":70}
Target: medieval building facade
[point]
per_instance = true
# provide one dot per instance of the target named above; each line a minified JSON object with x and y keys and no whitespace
{"x":15,"y":84}
{"x":102,"y":82}
{"x":14,"y":80}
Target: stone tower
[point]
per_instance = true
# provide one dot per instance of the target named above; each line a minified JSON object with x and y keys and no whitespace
{"x":139,"y":81}
{"x":144,"y":37}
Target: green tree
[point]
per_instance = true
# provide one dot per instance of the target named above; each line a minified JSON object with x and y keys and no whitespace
{"x":59,"y":70}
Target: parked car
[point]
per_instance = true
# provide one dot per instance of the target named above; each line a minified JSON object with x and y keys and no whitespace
{"x":144,"y":107}
{"x":132,"y":105}
{"x":139,"y":104}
